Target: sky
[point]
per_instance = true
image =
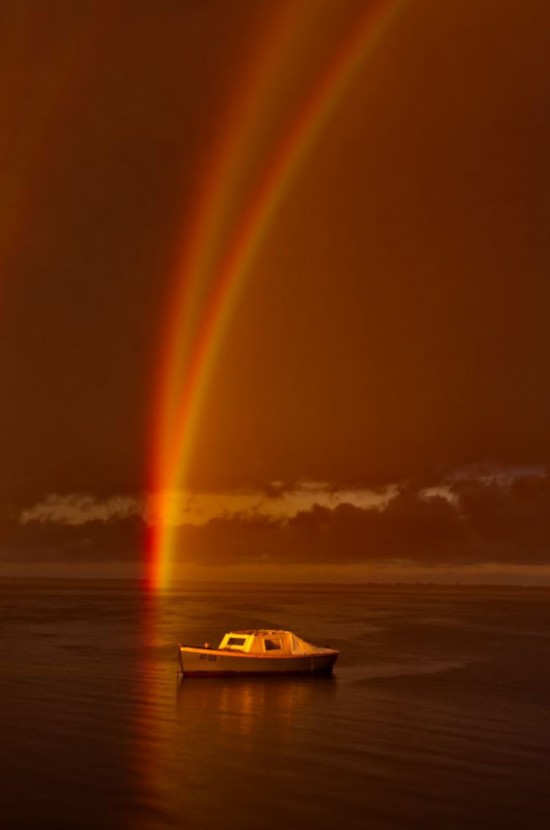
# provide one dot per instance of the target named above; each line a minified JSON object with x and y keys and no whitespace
{"x":378,"y":401}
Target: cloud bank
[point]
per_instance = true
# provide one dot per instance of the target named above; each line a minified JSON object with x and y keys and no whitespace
{"x":467,"y":522}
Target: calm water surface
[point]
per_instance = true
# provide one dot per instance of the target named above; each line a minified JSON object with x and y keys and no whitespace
{"x":437,"y":715}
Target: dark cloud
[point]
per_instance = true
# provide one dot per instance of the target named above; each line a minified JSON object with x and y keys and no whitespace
{"x":481,"y":523}
{"x":114,"y":540}
{"x":487,"y":522}
{"x":510,"y":520}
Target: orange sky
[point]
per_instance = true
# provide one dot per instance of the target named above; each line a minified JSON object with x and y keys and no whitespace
{"x":393,"y":325}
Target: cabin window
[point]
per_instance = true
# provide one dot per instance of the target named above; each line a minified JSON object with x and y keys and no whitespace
{"x":236,"y":641}
{"x":272,"y":645}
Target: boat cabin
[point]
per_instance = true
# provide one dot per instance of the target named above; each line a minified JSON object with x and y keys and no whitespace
{"x":264,"y":641}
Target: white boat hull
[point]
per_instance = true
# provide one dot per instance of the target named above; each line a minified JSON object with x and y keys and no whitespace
{"x":215,"y":663}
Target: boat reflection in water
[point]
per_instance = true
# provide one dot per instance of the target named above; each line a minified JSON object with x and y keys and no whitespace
{"x":248,"y":706}
{"x":209,"y":761}
{"x":211,"y":752}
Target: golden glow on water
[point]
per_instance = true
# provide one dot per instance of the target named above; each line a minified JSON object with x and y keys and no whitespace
{"x":424,"y":700}
{"x":240,"y":707}
{"x":439,"y":692}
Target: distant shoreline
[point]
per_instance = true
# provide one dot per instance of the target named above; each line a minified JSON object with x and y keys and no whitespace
{"x":251,"y":586}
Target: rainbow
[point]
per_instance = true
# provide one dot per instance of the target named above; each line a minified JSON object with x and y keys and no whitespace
{"x":181,"y":404}
{"x":196,"y":259}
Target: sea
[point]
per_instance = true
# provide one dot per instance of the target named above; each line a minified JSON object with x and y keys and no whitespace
{"x":437,"y":715}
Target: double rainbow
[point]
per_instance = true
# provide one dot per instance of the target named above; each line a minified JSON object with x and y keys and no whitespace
{"x":182,"y":394}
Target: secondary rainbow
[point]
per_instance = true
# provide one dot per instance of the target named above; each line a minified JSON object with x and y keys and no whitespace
{"x":175,"y":445}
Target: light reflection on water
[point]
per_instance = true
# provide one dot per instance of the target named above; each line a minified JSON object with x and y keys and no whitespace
{"x":437,"y":716}
{"x":416,"y":728}
{"x":230,"y":746}
{"x":199,"y":738}
{"x":249,"y":708}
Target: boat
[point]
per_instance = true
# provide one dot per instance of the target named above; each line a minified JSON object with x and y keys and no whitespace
{"x":256,"y":652}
